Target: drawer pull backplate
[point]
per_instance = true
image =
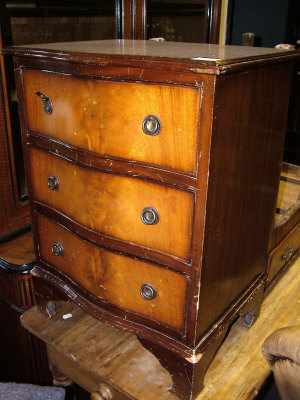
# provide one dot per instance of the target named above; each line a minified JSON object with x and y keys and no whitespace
{"x":47,"y":103}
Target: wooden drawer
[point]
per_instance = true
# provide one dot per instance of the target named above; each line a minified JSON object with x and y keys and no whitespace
{"x":113,"y":205}
{"x":107,"y":117}
{"x":281,"y":255}
{"x":115,"y":278}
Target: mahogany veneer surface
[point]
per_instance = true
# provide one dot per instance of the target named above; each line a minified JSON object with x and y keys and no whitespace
{"x":98,"y":116}
{"x":112,"y":204}
{"x":114,"y":278}
{"x":210,"y":171}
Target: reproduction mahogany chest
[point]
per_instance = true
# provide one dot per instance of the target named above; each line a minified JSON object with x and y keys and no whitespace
{"x":153,"y":172}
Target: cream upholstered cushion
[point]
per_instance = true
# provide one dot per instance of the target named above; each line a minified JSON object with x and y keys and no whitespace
{"x":282,"y":351}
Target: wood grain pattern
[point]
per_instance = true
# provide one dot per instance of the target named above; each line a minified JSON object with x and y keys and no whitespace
{"x":113,"y":205}
{"x":288,"y":204}
{"x":103,"y":353}
{"x":19,"y":250}
{"x":114,"y":278}
{"x":288,"y":195}
{"x":239,"y":368}
{"x":243,"y":183}
{"x":234,"y":175}
{"x":91,"y":352}
{"x":287,"y":249}
{"x":284,"y":241}
{"x":106,"y":118}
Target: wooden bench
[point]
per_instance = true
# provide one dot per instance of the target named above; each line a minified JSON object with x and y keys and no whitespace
{"x":112,"y":364}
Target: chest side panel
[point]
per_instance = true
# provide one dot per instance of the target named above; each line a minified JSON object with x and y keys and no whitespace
{"x":247,"y":142}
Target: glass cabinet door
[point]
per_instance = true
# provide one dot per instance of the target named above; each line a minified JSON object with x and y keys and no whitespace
{"x":32,"y":22}
{"x":44,"y":21}
{"x":179,"y":21}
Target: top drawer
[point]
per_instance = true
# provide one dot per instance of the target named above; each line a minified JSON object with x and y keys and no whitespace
{"x":109,"y":118}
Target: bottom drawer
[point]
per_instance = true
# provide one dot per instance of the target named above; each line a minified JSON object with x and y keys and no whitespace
{"x":130,"y":284}
{"x":283,"y":252}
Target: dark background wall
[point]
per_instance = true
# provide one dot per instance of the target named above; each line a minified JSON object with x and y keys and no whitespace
{"x":266,"y":18}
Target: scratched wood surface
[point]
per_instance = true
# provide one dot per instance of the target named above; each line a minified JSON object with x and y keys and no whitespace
{"x":115,"y":278}
{"x":98,"y":116}
{"x":95,"y":352}
{"x":239,"y":369}
{"x":112,"y":204}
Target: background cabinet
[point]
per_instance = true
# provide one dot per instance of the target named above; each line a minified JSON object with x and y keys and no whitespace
{"x":273,"y":22}
{"x":42,"y":21}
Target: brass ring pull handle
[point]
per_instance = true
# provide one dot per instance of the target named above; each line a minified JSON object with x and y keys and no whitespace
{"x":52,"y":182}
{"x":47,"y":103}
{"x":148,"y":292}
{"x":57,"y":249}
{"x":149,"y":216}
{"x":151,"y":125}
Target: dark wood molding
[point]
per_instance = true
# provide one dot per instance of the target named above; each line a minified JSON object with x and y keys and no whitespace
{"x":215,"y":20}
{"x":140,"y":19}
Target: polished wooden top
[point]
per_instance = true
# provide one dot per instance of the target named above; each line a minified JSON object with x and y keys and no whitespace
{"x":200,"y":55}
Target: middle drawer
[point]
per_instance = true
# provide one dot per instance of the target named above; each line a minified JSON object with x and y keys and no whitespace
{"x":139,"y":212}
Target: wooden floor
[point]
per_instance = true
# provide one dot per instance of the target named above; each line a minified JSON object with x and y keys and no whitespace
{"x":239,"y":369}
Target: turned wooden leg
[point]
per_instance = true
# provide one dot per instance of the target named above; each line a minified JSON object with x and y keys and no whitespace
{"x":61,"y":380}
{"x":103,"y":393}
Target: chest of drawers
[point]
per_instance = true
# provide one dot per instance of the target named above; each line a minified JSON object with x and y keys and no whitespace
{"x":153,"y":172}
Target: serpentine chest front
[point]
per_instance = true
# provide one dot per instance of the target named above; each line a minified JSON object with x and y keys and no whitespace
{"x":153,"y":172}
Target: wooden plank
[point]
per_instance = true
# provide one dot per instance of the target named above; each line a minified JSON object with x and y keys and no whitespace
{"x":108,"y":354}
{"x":101,"y":351}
